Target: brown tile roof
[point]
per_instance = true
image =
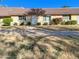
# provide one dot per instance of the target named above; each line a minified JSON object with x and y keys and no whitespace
{"x":62,"y":10}
{"x":7,"y":11}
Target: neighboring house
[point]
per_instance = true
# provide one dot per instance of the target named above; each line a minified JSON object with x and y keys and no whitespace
{"x":20,"y":15}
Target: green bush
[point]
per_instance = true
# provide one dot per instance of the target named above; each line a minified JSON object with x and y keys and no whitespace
{"x":72,"y":22}
{"x":38,"y":23}
{"x":57,"y":21}
{"x":45,"y":23}
{"x":7,"y":21}
{"x":63,"y":23}
{"x":29,"y":23}
{"x":22,"y":24}
{"x":68,"y":23}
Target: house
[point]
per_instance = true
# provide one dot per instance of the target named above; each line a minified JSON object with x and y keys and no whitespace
{"x":19,"y":15}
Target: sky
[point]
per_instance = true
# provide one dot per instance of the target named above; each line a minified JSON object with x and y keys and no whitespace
{"x":40,"y":3}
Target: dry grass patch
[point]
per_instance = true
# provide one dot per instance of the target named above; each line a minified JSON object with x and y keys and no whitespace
{"x":61,"y":27}
{"x":16,"y":46}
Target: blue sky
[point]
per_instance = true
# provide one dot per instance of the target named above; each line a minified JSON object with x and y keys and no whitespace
{"x":40,"y":3}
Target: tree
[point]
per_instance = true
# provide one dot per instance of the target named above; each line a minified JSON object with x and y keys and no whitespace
{"x":37,"y":12}
{"x":65,"y":6}
{"x":57,"y":21}
{"x":7,"y":21}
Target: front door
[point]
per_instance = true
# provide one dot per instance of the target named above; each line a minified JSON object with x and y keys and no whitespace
{"x":34,"y":20}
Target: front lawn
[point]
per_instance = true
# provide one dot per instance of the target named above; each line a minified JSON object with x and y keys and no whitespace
{"x":15,"y":44}
{"x":60,"y":27}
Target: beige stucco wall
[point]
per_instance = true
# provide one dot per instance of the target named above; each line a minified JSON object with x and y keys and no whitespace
{"x":40,"y":19}
{"x":74,"y":17}
{"x":1,"y":21}
{"x":15,"y":20}
{"x":52,"y":17}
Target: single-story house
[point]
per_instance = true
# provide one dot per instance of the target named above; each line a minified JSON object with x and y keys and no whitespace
{"x":19,"y":15}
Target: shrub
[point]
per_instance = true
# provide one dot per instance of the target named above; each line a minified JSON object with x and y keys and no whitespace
{"x":63,"y":23}
{"x":28,"y":23}
{"x":68,"y":23}
{"x":15,"y":24}
{"x":45,"y":23}
{"x":7,"y":21}
{"x":72,"y":22}
{"x":57,"y":21}
{"x":38,"y":23}
{"x":22,"y":23}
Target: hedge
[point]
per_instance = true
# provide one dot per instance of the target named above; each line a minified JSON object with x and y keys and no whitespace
{"x":38,"y":23}
{"x":71,"y":22}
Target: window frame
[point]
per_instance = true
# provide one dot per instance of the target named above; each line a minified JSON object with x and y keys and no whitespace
{"x":22,"y":17}
{"x":45,"y":18}
{"x":66,"y":17}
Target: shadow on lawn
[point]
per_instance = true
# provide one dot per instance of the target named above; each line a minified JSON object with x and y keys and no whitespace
{"x":61,"y":44}
{"x":40,"y":47}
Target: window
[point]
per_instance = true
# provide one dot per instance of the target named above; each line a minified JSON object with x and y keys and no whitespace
{"x":66,"y":18}
{"x":22,"y":17}
{"x":46,"y":18}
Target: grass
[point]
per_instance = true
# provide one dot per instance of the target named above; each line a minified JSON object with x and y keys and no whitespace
{"x":17,"y":46}
{"x":61,"y":27}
